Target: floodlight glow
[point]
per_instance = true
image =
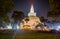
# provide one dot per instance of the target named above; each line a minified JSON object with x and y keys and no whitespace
{"x":18,"y":27}
{"x":59,"y":27}
{"x":9,"y":27}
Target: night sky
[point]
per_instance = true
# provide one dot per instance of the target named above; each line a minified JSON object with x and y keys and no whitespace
{"x":41,"y":7}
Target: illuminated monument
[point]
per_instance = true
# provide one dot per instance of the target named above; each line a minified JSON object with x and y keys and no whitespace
{"x":33,"y":20}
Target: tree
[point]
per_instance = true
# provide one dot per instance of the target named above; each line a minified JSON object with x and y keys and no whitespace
{"x":42,"y":19}
{"x":54,"y":4}
{"x":26,"y":19}
{"x":5,"y":6}
{"x":53,"y":14}
{"x":54,"y":9}
{"x":18,"y":16}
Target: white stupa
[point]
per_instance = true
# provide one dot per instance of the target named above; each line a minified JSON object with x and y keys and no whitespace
{"x":33,"y":20}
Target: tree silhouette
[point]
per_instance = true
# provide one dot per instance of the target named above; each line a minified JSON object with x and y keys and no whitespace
{"x":53,"y":14}
{"x":54,"y":9}
{"x":5,"y":6}
{"x":18,"y":16}
{"x":42,"y":19}
{"x":26,"y":19}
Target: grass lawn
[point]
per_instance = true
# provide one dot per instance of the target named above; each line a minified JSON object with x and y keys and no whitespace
{"x":37,"y":35}
{"x":30,"y":35}
{"x":5,"y":35}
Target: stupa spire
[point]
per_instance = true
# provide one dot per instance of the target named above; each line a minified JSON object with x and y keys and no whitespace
{"x":31,"y":13}
{"x":32,"y":8}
